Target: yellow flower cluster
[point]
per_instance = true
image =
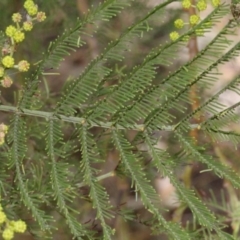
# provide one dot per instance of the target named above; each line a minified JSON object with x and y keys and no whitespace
{"x":174,"y":35}
{"x":6,"y":81}
{"x":3,"y":132}
{"x":194,"y":19}
{"x":8,"y":61}
{"x":216,"y":3}
{"x":16,"y":33}
{"x":179,"y":23}
{"x":186,"y":4}
{"x":201,"y":5}
{"x":10,"y":227}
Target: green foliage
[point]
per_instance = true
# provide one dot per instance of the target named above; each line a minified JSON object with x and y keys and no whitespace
{"x":59,"y":176}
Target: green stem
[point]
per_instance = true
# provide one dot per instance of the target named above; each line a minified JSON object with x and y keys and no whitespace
{"x":107,"y":175}
{"x":79,"y":120}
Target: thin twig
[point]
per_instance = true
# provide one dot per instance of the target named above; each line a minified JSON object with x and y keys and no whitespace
{"x":106,"y":175}
{"x":79,"y":120}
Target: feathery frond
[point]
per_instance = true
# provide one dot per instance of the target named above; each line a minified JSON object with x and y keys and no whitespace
{"x":220,"y":169}
{"x":98,"y":195}
{"x":133,"y":114}
{"x":149,"y":198}
{"x":17,"y":152}
{"x":96,"y":71}
{"x":63,"y":192}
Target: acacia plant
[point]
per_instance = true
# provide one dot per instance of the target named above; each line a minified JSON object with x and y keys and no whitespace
{"x":54,"y":150}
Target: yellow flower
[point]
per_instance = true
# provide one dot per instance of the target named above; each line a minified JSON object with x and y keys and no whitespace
{"x":16,"y":17}
{"x":19,"y":36}
{"x":194,"y":19}
{"x":32,"y":10}
{"x":10,"y":31}
{"x":8,"y":61}
{"x":3,"y":216}
{"x":186,"y":4}
{"x":23,"y":66}
{"x":201,"y":5}
{"x":8,"y":234}
{"x":216,"y":3}
{"x":41,"y":16}
{"x":179,"y":23}
{"x":28,"y":4}
{"x":19,"y":226}
{"x":174,"y":36}
{"x":6,"y":82}
{"x":27,"y":26}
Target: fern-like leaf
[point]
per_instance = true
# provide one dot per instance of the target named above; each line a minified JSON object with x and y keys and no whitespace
{"x":89,"y":80}
{"x":220,"y":169}
{"x":59,"y":178}
{"x":98,"y":195}
{"x":17,"y":139}
{"x":150,"y":199}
